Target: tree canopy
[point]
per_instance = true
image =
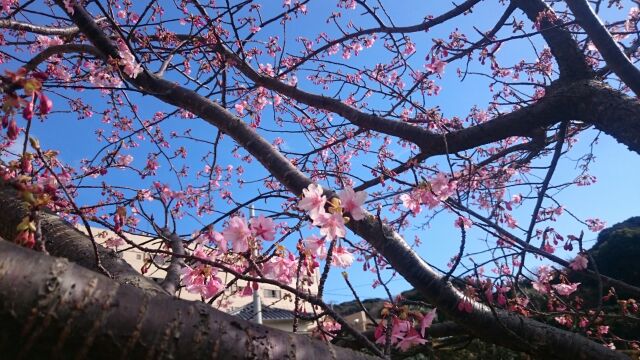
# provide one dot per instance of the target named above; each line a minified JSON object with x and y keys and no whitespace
{"x":351,"y":127}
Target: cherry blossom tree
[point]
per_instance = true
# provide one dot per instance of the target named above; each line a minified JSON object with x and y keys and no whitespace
{"x":327,"y":118}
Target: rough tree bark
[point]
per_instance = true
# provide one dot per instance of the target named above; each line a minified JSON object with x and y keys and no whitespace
{"x":51,"y":308}
{"x":64,"y":240}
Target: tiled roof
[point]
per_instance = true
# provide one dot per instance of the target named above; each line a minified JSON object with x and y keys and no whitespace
{"x":247,"y":312}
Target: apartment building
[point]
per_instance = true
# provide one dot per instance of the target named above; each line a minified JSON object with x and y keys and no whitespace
{"x":276,"y":305}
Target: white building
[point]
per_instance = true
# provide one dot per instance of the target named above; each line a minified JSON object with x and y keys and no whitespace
{"x":277,"y":305}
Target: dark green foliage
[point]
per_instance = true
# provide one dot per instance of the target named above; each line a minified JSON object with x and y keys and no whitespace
{"x":617,"y":252}
{"x":374,"y":306}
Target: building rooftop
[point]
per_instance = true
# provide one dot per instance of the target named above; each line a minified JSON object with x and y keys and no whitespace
{"x":247,"y":312}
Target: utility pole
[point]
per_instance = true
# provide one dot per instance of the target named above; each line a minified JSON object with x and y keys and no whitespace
{"x":257,"y":302}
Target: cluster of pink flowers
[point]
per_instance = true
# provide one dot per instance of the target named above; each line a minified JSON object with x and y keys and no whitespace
{"x":545,"y":274}
{"x":129,"y":64}
{"x":341,"y":257}
{"x":436,"y":66}
{"x":241,"y":235}
{"x":7,"y":4}
{"x":579,"y":263}
{"x":565,"y":289}
{"x":403,"y":333}
{"x":201,"y":278}
{"x":430,"y":194}
{"x":280,"y":268}
{"x":331,"y":223}
{"x":315,"y":247}
{"x":327,"y":330}
{"x":595,"y":225}
{"x":238,"y":232}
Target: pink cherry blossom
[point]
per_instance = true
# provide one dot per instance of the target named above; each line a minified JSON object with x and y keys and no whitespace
{"x":68,"y":5}
{"x":432,"y":194}
{"x":124,"y":160}
{"x":128,"y":61}
{"x":216,"y":238}
{"x":595,"y":225}
{"x":436,"y":66}
{"x":341,"y":257}
{"x":48,"y":41}
{"x":564,"y":320}
{"x":313,"y":201}
{"x":463,"y":223}
{"x":379,"y":332}
{"x":331,"y":225}
{"x":45,"y":104}
{"x":400,"y":327}
{"x":426,"y":321}
{"x":263,"y":227}
{"x":13,"y":131}
{"x":410,"y":339}
{"x":114,"y":242}
{"x":327,"y":330}
{"x":280,"y":268}
{"x":579,"y":263}
{"x":412,"y":202}
{"x":202,"y":280}
{"x":27,"y":112}
{"x":316,"y":246}
{"x":409,"y":48}
{"x":565,"y":289}
{"x":443,"y":187}
{"x":6,"y":5}
{"x":465,"y":305}
{"x":541,"y":287}
{"x":238,"y":233}
{"x":352,"y":202}
{"x":240,"y":107}
{"x":212,"y":287}
{"x":26,"y":238}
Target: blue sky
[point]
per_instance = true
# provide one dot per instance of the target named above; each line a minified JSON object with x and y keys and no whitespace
{"x":613,"y":198}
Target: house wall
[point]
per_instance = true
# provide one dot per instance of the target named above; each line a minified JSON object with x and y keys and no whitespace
{"x":304,"y":327}
{"x":271,"y":295}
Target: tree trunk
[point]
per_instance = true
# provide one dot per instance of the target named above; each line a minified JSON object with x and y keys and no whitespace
{"x":64,"y":240}
{"x":51,"y":308}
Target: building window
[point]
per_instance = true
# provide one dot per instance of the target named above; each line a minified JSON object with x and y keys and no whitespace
{"x":272,"y":293}
{"x":138,"y":256}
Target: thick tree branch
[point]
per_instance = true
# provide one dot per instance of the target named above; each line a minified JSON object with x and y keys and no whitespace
{"x":64,"y":240}
{"x":76,"y":313}
{"x":171,"y":282}
{"x":610,"y":111}
{"x":368,"y":121}
{"x":608,"y":48}
{"x":42,"y":30}
{"x":571,"y":60}
{"x":60,"y":49}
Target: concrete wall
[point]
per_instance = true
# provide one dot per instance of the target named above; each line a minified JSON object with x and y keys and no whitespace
{"x":271,"y":295}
